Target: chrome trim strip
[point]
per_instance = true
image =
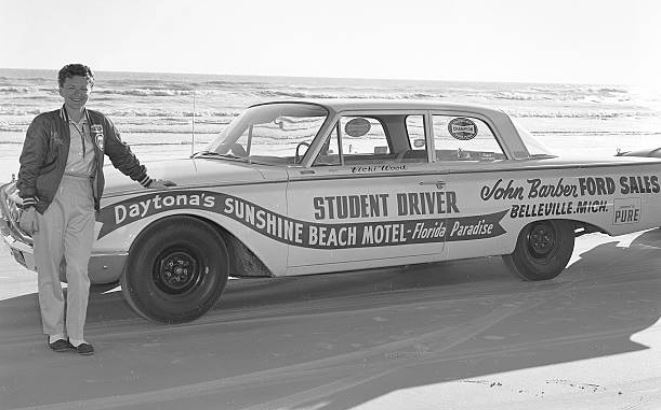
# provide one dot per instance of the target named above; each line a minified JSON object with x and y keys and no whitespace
{"x":445,"y":171}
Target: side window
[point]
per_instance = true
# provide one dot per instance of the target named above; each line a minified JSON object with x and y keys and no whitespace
{"x":239,"y":148}
{"x":363,"y":139}
{"x":377,"y":139}
{"x":415,"y":129}
{"x":464,"y":139}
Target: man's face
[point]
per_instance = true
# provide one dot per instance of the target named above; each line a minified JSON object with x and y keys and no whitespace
{"x":76,"y":91}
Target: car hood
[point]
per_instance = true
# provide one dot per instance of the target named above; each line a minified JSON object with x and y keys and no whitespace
{"x":190,"y":173}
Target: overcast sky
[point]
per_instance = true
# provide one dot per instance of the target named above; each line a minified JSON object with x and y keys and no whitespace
{"x":584,"y":41}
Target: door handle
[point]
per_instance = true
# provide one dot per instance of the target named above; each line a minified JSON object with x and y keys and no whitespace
{"x":439,"y":184}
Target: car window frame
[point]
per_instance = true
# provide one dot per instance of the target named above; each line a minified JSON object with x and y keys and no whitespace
{"x":334,"y":124}
{"x":495,"y":131}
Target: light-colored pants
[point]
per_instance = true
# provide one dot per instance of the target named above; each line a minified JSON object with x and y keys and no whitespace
{"x":66,"y":230}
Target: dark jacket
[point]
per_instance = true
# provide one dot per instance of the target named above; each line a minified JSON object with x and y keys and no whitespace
{"x":46,"y":149}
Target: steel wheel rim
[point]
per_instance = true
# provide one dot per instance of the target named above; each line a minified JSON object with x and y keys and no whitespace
{"x":542,"y":240}
{"x":176,"y":271}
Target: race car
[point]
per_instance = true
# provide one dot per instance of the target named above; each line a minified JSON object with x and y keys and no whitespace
{"x":310,"y":187}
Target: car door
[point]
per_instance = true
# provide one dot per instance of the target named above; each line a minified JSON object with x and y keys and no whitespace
{"x":469,"y":147}
{"x":370,"y":196}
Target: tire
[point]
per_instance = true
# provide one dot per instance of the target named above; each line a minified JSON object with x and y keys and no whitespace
{"x":542,"y":251}
{"x":176,"y":270}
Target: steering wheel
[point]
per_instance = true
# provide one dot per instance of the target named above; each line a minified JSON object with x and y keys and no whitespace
{"x":298,"y":147}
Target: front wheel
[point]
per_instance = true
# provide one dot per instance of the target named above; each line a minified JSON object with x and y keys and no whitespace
{"x":176,"y":271}
{"x":542,"y":251}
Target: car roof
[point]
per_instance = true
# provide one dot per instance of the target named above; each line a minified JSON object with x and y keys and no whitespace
{"x":342,"y":104}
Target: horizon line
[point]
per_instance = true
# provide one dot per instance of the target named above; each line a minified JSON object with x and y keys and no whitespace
{"x":334,"y":78}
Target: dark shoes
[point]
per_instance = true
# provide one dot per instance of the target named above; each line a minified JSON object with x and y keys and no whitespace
{"x":62,"y":345}
{"x":84,"y":349}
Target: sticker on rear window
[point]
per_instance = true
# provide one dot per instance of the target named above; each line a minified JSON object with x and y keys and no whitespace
{"x":462,"y":129}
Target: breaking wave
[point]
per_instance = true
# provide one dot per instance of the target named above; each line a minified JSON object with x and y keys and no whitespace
{"x":143,"y":103}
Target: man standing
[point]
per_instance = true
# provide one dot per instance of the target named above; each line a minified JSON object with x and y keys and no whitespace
{"x":61,"y":182}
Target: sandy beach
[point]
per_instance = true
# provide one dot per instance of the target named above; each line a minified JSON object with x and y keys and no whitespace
{"x":582,"y":77}
{"x":456,"y":335}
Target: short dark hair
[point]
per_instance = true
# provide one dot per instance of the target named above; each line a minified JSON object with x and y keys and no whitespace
{"x":72,"y":70}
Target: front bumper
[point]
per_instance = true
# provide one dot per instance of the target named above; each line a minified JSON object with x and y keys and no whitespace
{"x":20,"y":245}
{"x":21,"y":252}
{"x":103,"y":267}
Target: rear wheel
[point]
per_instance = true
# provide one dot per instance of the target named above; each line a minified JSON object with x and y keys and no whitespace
{"x":542,"y":251}
{"x":176,"y":271}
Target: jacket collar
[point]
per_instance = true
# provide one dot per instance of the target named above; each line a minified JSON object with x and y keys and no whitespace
{"x":65,"y":117}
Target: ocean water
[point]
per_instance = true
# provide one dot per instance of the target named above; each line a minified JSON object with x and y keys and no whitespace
{"x":155,"y":111}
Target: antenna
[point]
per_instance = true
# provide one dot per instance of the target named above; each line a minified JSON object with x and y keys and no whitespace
{"x":192,"y":147}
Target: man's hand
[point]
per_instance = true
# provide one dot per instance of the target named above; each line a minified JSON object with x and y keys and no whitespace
{"x":161,"y":184}
{"x":28,"y":221}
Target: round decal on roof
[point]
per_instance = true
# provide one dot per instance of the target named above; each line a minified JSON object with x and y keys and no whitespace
{"x":462,"y":129}
{"x":357,"y":127}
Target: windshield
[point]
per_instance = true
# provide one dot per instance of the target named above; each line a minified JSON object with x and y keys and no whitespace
{"x":535,"y":147}
{"x":273,"y":134}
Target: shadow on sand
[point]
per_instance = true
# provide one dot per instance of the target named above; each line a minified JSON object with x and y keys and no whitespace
{"x":337,"y":341}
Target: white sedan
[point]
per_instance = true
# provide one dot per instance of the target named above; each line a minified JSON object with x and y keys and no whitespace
{"x":309,"y":187}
